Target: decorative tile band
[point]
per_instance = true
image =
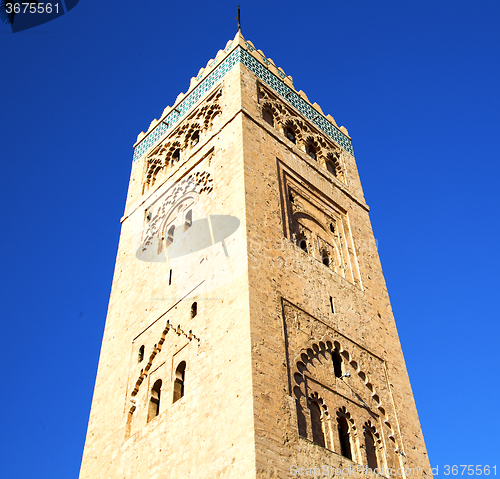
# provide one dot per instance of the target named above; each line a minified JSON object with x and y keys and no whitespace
{"x":240,"y":55}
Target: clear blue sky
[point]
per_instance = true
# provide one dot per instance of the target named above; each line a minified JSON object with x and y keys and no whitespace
{"x":415,"y":83}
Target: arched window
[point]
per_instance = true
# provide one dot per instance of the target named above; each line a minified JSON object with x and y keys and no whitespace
{"x":188,"y":219}
{"x":316,"y":424}
{"x":311,"y":151}
{"x":176,"y":155}
{"x":154,"y":401}
{"x":345,"y":441}
{"x":268,"y":117}
{"x":195,"y":138}
{"x":179,"y":381}
{"x":337,"y":364}
{"x":330,"y":166}
{"x":325,"y":258}
{"x":141,"y":354}
{"x":303,"y":244}
{"x":371,"y":452}
{"x":194,"y":309}
{"x":290,"y":134}
{"x":170,"y":234}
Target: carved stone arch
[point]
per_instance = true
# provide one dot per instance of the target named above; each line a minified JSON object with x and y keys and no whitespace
{"x":291,"y":125}
{"x":311,"y":142}
{"x":374,"y":447}
{"x":333,"y":164}
{"x":326,"y":348}
{"x":269,"y":107}
{"x":194,"y":128}
{"x":176,"y":210}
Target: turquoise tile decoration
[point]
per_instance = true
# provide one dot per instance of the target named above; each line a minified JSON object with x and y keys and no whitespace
{"x":240,"y":55}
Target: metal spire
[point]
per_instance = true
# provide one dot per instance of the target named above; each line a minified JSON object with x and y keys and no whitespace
{"x":239,"y":19}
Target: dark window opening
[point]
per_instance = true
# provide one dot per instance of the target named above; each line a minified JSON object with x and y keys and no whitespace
{"x":330,"y":166}
{"x":325,"y":258}
{"x":317,"y":427}
{"x":311,"y":151}
{"x":176,"y":155}
{"x":332,"y":228}
{"x":141,"y":354}
{"x":188,"y":220}
{"x":195,"y":138}
{"x":345,"y":443}
{"x":170,"y":278}
{"x":154,"y":401}
{"x":303,"y":244}
{"x":170,"y":234}
{"x":268,"y":116}
{"x":332,"y":305}
{"x":194,"y":309}
{"x":179,"y":381}
{"x":290,"y":197}
{"x":371,"y":453}
{"x":337,"y":359}
{"x":290,"y":134}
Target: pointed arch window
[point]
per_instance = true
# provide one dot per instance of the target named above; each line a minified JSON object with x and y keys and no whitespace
{"x":194,"y":309}
{"x":290,"y":134}
{"x":154,"y":400}
{"x":311,"y":151}
{"x":344,"y":437}
{"x":370,"y":446}
{"x":195,"y":138}
{"x":318,"y":434}
{"x":188,"y":219}
{"x":180,"y":374}
{"x":337,"y":364}
{"x":141,"y":354}
{"x":268,"y":116}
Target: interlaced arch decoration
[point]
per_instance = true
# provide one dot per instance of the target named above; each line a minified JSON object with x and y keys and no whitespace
{"x":160,"y":159}
{"x":328,"y":154}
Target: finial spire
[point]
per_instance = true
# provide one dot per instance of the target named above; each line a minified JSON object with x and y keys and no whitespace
{"x":239,"y":19}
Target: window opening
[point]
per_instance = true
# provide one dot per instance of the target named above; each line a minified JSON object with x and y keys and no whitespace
{"x":325,"y":258}
{"x":194,"y":309}
{"x":170,"y":234}
{"x":188,"y":219}
{"x":195,"y":138}
{"x":345,"y":443}
{"x":141,"y":354}
{"x":317,"y":427}
{"x":179,"y":381}
{"x":154,"y":401}
{"x":332,"y":228}
{"x":268,"y":116}
{"x":332,"y":305}
{"x":311,"y":151}
{"x":303,"y":244}
{"x":330,"y":166}
{"x":337,"y":359}
{"x":176,"y":155}
{"x":170,"y":278}
{"x":290,"y":134}
{"x":371,"y":453}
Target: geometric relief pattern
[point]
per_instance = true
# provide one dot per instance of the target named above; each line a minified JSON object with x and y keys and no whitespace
{"x":240,"y":55}
{"x":318,"y":226}
{"x":343,"y":401}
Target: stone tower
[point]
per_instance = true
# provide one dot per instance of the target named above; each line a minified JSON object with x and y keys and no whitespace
{"x":249,"y":330}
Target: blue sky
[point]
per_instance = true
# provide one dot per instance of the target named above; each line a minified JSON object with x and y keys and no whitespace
{"x":415,"y":83}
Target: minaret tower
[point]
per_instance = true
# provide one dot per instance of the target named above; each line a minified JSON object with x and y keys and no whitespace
{"x":249,"y":330}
